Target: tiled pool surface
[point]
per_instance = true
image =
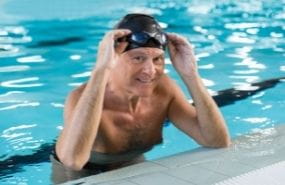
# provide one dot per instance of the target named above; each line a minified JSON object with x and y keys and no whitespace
{"x":202,"y":166}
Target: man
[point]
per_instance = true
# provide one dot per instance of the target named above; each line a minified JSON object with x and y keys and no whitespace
{"x":115,"y":117}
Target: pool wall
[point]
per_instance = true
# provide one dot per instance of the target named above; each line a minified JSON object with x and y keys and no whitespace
{"x":202,"y":166}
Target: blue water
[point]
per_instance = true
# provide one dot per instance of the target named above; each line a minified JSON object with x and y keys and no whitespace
{"x":47,"y":48}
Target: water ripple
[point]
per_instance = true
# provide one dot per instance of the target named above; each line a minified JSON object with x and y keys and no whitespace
{"x":258,"y":95}
{"x":147,"y":10}
{"x":247,"y":78}
{"x":246,"y":87}
{"x":23,"y":104}
{"x":242,"y":25}
{"x":207,"y":66}
{"x":13,"y":40}
{"x":75,"y":57}
{"x":20,"y":137}
{"x":19,"y":30}
{"x":245,"y":72}
{"x":202,"y":55}
{"x":14,"y":68}
{"x":31,"y":59}
{"x":8,"y":133}
{"x":75,"y":84}
{"x":82,"y":75}
{"x":240,"y":39}
{"x":57,"y":105}
{"x":8,"y":50}
{"x":15,"y":83}
{"x":251,"y":63}
{"x":10,"y":36}
{"x":12,"y":100}
{"x":256,"y":119}
{"x":208,"y":82}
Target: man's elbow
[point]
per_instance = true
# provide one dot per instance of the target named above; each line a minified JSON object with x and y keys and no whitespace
{"x":223,"y":143}
{"x":71,"y":162}
{"x":220,"y":143}
{"x":217,"y":142}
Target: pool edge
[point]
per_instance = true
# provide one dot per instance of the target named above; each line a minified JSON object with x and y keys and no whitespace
{"x":202,"y":165}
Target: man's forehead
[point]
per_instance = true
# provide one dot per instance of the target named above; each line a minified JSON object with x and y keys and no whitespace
{"x":146,"y":51}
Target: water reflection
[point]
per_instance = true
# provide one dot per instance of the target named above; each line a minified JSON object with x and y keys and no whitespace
{"x":31,"y":59}
{"x":14,"y":68}
{"x":21,"y":104}
{"x":246,"y":78}
{"x":7,"y":50}
{"x":242,"y":25}
{"x":252,"y":31}
{"x":207,"y":66}
{"x":250,"y":63}
{"x":82,"y":75}
{"x":19,"y":83}
{"x":20,"y":137}
{"x":57,"y":105}
{"x":240,"y":37}
{"x":75,"y":57}
{"x":10,"y":39}
{"x":75,"y":84}
{"x":245,"y":72}
{"x":256,"y":120}
{"x":208,"y":83}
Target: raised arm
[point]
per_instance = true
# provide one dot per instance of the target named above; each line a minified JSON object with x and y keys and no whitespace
{"x":204,"y":122}
{"x":84,"y":106}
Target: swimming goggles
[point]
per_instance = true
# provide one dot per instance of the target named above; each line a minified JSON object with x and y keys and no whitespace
{"x":142,"y":38}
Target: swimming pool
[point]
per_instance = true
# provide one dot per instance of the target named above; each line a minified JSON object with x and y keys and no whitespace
{"x":49,"y":48}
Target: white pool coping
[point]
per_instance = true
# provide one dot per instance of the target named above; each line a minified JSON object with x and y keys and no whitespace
{"x":202,"y":166}
{"x":272,"y":174}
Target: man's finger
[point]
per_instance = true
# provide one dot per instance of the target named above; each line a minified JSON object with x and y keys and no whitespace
{"x":177,"y":39}
{"x":120,"y":33}
{"x":171,"y":46}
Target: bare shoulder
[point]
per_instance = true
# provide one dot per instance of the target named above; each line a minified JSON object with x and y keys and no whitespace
{"x":169,"y":86}
{"x":78,"y":90}
{"x":71,"y":100}
{"x":75,"y":94}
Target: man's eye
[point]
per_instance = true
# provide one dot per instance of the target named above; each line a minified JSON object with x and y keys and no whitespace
{"x":139,"y":58}
{"x":158,"y":60}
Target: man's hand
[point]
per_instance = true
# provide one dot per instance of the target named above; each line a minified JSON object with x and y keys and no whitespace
{"x":182,"y":55}
{"x":109,"y":49}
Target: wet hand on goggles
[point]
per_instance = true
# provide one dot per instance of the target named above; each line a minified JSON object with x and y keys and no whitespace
{"x":108,"y":54}
{"x":182,"y":54}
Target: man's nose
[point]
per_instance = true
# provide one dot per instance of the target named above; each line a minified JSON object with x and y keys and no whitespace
{"x":149,"y":67}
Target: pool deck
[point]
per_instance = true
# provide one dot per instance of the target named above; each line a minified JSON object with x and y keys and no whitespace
{"x":202,"y":166}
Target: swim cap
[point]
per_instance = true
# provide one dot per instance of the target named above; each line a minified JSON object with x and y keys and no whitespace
{"x":146,"y":31}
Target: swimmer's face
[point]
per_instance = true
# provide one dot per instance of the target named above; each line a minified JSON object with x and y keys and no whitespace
{"x":141,"y":69}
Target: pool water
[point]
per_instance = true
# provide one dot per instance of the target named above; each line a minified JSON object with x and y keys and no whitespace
{"x":47,"y":48}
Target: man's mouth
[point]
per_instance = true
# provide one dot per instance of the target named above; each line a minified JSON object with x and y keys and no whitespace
{"x":145,"y":81}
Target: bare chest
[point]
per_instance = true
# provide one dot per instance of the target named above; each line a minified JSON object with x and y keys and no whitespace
{"x":123,"y":131}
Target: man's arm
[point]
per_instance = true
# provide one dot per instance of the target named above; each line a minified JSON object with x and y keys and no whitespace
{"x":83,"y":108}
{"x":204,"y":122}
{"x":81,"y":122}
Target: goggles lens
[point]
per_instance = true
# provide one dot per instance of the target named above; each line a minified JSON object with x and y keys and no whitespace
{"x":142,"y":38}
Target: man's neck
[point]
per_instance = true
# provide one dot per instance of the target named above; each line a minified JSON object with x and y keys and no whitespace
{"x":127,"y":100}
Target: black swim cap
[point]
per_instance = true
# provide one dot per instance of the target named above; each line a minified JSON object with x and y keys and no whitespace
{"x":146,"y":32}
